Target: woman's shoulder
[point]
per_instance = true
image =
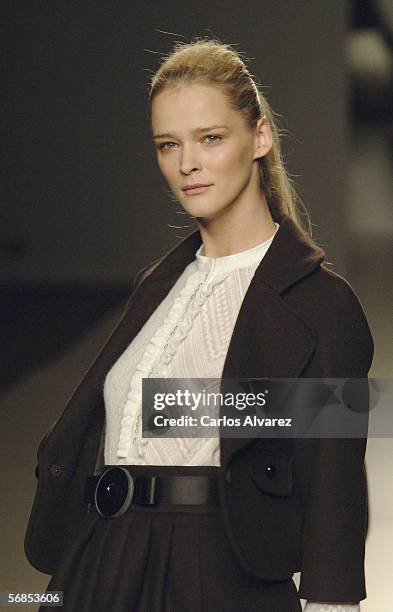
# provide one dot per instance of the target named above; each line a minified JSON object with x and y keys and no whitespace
{"x":146,"y":271}
{"x":327,"y":289}
{"x":328,"y":303}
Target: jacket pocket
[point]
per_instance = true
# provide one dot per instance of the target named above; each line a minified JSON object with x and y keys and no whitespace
{"x":272,"y":474}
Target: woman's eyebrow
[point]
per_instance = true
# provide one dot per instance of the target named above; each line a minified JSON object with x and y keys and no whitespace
{"x":197,"y":130}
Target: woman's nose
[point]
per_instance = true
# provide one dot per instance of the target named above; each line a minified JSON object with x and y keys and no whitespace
{"x":189,"y":161}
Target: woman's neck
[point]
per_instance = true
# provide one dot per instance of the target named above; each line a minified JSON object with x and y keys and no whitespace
{"x":242,"y":229}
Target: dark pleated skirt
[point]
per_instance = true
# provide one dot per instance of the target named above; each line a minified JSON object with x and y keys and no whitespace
{"x":162,"y":559}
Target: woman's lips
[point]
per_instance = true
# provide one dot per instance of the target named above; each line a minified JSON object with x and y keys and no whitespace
{"x":196,"y":190}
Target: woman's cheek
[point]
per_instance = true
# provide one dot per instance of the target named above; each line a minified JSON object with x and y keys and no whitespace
{"x":225,"y":160}
{"x":167,"y":168}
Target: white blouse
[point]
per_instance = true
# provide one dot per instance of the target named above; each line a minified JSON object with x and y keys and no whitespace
{"x":187,"y":336}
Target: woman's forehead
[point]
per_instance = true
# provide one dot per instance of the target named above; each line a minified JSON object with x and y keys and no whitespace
{"x":196,"y":105}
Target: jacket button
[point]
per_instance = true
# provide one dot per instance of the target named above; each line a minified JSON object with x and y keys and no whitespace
{"x":228,"y":476}
{"x":55,"y":470}
{"x":270,"y":470}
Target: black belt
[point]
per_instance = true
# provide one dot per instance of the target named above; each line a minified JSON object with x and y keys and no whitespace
{"x":116,"y":489}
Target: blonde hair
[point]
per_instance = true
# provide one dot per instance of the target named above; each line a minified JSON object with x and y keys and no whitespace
{"x":208,"y":60}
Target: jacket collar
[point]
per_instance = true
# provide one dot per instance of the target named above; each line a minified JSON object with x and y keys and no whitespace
{"x":291,"y":256}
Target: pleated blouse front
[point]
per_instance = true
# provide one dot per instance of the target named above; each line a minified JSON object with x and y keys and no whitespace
{"x":187,"y":336}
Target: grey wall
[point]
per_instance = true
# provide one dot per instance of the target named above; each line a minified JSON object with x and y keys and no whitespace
{"x":83,"y":199}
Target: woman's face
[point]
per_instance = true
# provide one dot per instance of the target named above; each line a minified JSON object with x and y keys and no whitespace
{"x":201,"y":140}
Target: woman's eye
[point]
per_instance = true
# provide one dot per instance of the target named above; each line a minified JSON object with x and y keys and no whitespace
{"x":165,"y":145}
{"x":213,"y":137}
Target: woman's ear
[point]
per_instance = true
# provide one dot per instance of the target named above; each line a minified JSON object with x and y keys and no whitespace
{"x":263,"y":138}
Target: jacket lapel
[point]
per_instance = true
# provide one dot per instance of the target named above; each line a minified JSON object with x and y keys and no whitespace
{"x":269,"y":339}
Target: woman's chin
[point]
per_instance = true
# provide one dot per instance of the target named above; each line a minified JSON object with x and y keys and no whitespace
{"x":200,"y":210}
{"x":200,"y":207}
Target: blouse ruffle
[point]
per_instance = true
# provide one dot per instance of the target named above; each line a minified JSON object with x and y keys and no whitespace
{"x":159,"y":353}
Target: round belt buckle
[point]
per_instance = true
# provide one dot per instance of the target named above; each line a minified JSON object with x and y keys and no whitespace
{"x":114,"y":492}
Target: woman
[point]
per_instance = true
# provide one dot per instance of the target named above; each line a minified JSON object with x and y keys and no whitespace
{"x":213,"y":524}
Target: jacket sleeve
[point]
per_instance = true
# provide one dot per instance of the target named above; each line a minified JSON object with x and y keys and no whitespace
{"x":334,"y":491}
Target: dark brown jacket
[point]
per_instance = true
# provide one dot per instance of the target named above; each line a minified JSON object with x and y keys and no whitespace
{"x":298,"y":319}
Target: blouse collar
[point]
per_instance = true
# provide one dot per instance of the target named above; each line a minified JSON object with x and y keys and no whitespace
{"x":227,"y":263}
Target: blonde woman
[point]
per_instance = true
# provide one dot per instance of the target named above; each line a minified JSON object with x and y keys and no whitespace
{"x":127,"y":523}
